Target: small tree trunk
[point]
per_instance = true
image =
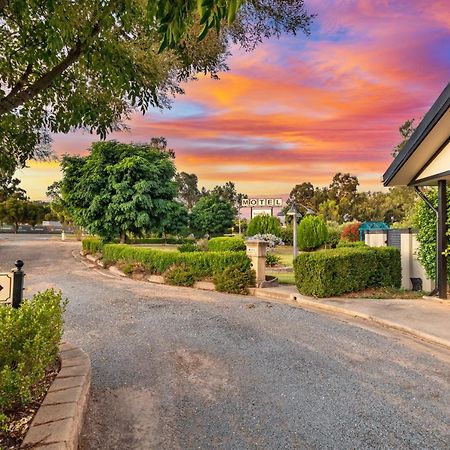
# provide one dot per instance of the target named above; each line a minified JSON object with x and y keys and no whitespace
{"x":123,"y":237}
{"x":16,"y":227}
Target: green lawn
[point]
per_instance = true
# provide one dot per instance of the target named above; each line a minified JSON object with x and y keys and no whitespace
{"x":283,"y":277}
{"x":285,"y":253}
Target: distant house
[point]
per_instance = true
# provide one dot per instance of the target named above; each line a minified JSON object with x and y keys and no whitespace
{"x":425,"y":161}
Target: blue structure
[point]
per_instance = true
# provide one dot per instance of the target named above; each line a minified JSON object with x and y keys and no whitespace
{"x":365,"y":226}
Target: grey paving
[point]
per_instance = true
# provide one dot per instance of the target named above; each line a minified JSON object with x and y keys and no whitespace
{"x":175,"y":368}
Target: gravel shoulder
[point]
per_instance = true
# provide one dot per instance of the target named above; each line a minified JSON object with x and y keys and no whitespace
{"x":177,"y":368}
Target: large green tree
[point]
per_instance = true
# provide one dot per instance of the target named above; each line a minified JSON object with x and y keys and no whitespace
{"x":212,"y":215}
{"x":188,"y":192}
{"x":119,"y":188}
{"x":87,"y":64}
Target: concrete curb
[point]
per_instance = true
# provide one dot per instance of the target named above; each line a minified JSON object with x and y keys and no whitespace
{"x":315,"y":304}
{"x":58,"y":422}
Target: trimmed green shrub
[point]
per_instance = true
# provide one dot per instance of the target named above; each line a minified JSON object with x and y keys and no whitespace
{"x":312,"y":233}
{"x":203,"y":264}
{"x":235,"y":280}
{"x":334,"y":236}
{"x":272,"y":259}
{"x":360,"y":244}
{"x":226,"y":244}
{"x":29,"y":339}
{"x":179,"y":275}
{"x":92,"y":245}
{"x":333,"y":272}
{"x":287,"y":235}
{"x":188,"y":247}
{"x":264,"y":224}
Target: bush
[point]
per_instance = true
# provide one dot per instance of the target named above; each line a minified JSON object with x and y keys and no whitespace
{"x":287,"y":235}
{"x":203,"y":264}
{"x":271,"y":239}
{"x":272,"y":260}
{"x":350,"y":232}
{"x":328,"y":273}
{"x":425,"y":221}
{"x":223,"y":244}
{"x":264,"y":224}
{"x":29,"y":339}
{"x":359,"y":244}
{"x":334,"y":236}
{"x":92,"y":245}
{"x":180,"y":275}
{"x":189,"y":247}
{"x":235,"y":280}
{"x":312,"y":233}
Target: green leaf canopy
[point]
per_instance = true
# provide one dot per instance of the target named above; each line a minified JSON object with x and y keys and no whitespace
{"x":119,"y":188}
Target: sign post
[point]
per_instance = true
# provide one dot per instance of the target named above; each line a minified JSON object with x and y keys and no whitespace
{"x":11,"y":286}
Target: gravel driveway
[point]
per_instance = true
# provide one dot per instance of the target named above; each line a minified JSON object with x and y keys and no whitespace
{"x":178,"y":368}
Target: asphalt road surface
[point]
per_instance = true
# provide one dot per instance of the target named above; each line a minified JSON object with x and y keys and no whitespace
{"x":177,"y":368}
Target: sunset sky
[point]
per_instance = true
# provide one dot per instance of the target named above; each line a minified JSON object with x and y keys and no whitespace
{"x":301,"y":108}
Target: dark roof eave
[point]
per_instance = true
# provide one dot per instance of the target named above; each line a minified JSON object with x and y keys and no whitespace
{"x":438,"y":109}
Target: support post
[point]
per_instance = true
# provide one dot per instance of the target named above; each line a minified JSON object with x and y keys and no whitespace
{"x":18,"y":276}
{"x":256,"y":251}
{"x":295,"y":239}
{"x":442,"y":239}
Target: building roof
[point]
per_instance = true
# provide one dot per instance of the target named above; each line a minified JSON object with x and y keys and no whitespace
{"x":430,"y":138}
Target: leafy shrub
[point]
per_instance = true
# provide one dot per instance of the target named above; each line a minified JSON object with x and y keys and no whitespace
{"x":425,"y":221}
{"x":235,"y":280}
{"x":333,"y":272}
{"x":188,"y":247}
{"x":264,"y":224}
{"x":223,"y":244}
{"x":344,"y":243}
{"x":312,"y":233}
{"x":350,"y":232}
{"x":334,"y":236}
{"x":203,"y":264}
{"x":287,"y":235}
{"x":180,"y":275}
{"x":271,"y":239}
{"x":92,"y":245}
{"x":272,"y":259}
{"x":29,"y":339}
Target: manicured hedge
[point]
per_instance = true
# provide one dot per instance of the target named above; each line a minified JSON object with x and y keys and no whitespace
{"x":344,"y":243}
{"x":203,"y":264}
{"x":328,"y":273}
{"x":92,"y":245}
{"x":224,"y":244}
{"x":29,"y":338}
{"x":170,"y":240}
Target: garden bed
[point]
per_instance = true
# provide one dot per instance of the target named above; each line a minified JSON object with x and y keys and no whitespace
{"x":20,"y":418}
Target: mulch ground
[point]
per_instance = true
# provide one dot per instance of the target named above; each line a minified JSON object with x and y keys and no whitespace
{"x":385,"y":293}
{"x":13,"y":434}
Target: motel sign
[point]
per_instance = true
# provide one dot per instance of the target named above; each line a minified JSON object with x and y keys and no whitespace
{"x":257,"y":202}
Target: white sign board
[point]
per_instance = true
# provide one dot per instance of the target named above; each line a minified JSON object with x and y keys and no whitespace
{"x":255,"y":202}
{"x":6,"y":287}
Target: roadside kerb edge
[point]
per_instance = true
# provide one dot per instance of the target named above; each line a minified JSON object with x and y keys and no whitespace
{"x":59,"y":420}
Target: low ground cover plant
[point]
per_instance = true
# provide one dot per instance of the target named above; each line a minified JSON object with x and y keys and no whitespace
{"x":180,"y":275}
{"x":235,"y":280}
{"x":332,"y":272}
{"x":272,"y":260}
{"x":29,"y":339}
{"x":223,"y":244}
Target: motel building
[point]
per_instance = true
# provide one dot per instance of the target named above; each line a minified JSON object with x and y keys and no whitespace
{"x":424,"y":162}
